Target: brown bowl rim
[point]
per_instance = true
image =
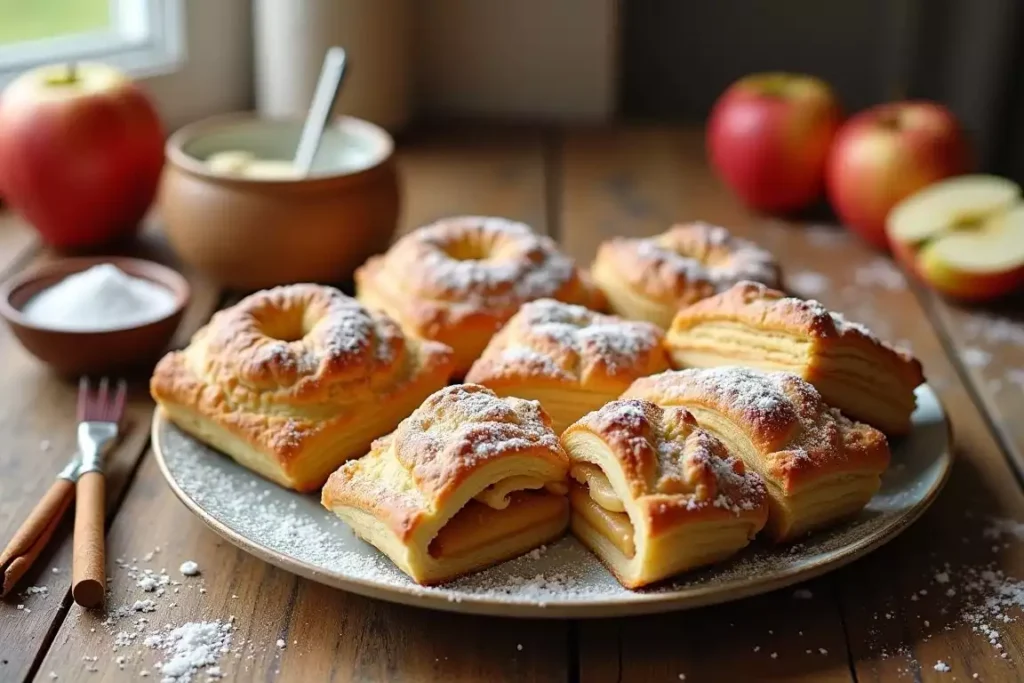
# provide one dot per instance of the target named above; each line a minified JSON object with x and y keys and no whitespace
{"x":177,"y":157}
{"x":65,"y":267}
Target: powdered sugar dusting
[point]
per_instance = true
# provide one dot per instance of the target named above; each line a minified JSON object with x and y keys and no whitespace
{"x":533,"y":268}
{"x":620,"y":346}
{"x":690,"y":462}
{"x":746,"y":261}
{"x":565,"y":575}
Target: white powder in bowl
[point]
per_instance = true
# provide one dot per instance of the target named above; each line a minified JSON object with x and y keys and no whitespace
{"x":99,"y":299}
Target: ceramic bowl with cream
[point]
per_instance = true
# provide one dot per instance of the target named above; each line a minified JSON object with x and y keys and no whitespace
{"x":95,"y":315}
{"x":234,"y":208}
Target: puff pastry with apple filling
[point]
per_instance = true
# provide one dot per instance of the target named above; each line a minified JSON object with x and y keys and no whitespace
{"x":752,"y":325}
{"x":820,"y":467}
{"x":467,"y":481}
{"x":569,"y":358}
{"x":293,"y":381}
{"x":654,"y":495}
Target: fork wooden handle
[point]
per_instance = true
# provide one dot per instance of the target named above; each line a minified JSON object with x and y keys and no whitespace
{"x":34,"y":533}
{"x":89,"y":581}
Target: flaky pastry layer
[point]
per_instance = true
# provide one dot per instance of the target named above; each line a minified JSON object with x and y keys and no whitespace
{"x":754,"y":326}
{"x":468,"y":480}
{"x":568,"y":357}
{"x":460,"y":279}
{"x":783,"y":430}
{"x":653,"y":494}
{"x":293,"y":381}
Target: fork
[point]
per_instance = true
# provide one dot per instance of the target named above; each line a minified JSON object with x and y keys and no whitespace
{"x":98,"y":417}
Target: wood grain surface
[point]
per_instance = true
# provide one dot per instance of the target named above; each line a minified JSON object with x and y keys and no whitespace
{"x":38,"y":435}
{"x":867,"y":622}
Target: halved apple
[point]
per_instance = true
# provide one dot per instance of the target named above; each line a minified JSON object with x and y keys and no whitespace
{"x":964,"y":236}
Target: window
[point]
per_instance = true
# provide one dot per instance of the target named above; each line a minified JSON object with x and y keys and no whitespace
{"x":142,"y":37}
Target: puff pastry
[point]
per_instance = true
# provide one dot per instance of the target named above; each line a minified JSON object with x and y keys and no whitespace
{"x":654,"y":495}
{"x":752,"y":325}
{"x":820,"y":467}
{"x":569,"y":358}
{"x":293,"y":381}
{"x":467,"y":481}
{"x":459,"y":280}
{"x":651,"y":278}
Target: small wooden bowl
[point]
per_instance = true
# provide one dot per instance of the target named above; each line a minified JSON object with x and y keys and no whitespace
{"x":92,"y":353}
{"x":250,"y":233}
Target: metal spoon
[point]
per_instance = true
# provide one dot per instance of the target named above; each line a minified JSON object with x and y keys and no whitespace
{"x":331,"y":75}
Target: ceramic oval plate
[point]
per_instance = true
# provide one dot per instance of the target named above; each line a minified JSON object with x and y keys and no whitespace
{"x":292,"y":531}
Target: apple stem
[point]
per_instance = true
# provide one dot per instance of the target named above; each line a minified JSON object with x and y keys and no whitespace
{"x":72,"y":71}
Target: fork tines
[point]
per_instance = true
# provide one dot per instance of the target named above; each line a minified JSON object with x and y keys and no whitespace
{"x":100,"y":407}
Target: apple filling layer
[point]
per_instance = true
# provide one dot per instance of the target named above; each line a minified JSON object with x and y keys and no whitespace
{"x":478,"y":525}
{"x":593,"y":499}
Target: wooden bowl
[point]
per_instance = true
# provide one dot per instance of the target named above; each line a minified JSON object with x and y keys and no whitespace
{"x":251,"y":233}
{"x":92,"y":353}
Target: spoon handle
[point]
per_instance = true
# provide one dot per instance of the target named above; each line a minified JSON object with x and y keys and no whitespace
{"x":331,"y":75}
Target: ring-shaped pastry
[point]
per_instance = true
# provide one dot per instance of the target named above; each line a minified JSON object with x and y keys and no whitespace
{"x":651,"y":278}
{"x":293,"y":381}
{"x":460,"y":279}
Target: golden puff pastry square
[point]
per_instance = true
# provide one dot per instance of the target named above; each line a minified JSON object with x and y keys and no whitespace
{"x":460,"y":279}
{"x":820,"y":467}
{"x":569,"y":358}
{"x":465,"y":482}
{"x":293,"y":381}
{"x":651,"y":278}
{"x":654,"y":495}
{"x":755,"y":326}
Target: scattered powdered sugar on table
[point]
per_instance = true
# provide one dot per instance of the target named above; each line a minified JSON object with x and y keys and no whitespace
{"x":189,"y":568}
{"x":190,"y":648}
{"x":974,"y":357}
{"x":880,"y":272}
{"x":994,"y":329}
{"x":825,"y":236}
{"x":808,"y":283}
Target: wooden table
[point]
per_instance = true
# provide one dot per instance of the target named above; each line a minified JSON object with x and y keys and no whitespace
{"x":886,"y":617}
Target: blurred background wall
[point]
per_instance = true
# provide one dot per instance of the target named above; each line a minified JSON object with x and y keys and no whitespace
{"x":666,"y":60}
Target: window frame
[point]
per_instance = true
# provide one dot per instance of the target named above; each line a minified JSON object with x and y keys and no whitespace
{"x":147,"y":38}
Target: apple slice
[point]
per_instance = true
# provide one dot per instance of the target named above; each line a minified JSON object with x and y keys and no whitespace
{"x":964,"y":236}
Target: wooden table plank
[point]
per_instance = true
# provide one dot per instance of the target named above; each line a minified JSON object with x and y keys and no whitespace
{"x":329,"y":634}
{"x":450,"y":171}
{"x":988,"y":342}
{"x":636,"y":182}
{"x":38,"y":433}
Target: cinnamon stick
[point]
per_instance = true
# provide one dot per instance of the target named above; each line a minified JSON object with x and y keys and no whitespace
{"x":34,"y":533}
{"x":89,"y":583}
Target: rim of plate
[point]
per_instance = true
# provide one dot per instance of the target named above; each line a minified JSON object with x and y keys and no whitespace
{"x":637,"y":604}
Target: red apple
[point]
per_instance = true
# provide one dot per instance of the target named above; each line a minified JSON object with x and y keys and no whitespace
{"x":964,"y":236}
{"x":80,"y":153}
{"x":768,"y":138}
{"x":889,"y":152}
